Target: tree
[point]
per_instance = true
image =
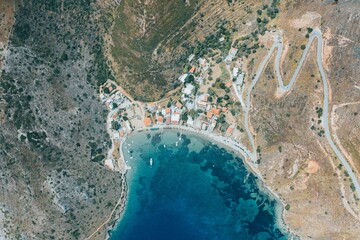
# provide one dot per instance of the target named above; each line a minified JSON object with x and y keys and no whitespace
{"x":184,"y":117}
{"x":189,"y":79}
{"x":211,"y":92}
{"x":303,"y":47}
{"x":221,"y":119}
{"x":115,"y":125}
{"x":193,"y":113}
{"x":64,"y":57}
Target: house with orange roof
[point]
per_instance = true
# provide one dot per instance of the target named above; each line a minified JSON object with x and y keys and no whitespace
{"x":167,"y":111}
{"x":215,"y":111}
{"x":122,"y":133}
{"x":228,"y":84}
{"x":160,"y":120}
{"x":147,"y":122}
{"x":209,"y":115}
{"x":178,"y":105}
{"x":230,"y":130}
{"x":192,"y":70}
{"x":152,"y":106}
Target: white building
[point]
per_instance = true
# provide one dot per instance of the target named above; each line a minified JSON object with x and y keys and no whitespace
{"x":109,"y":164}
{"x":190,"y":121}
{"x":190,"y":105}
{"x":191,"y":57}
{"x":197,"y":124}
{"x":183,"y":77}
{"x":240,"y":79}
{"x":128,"y":127}
{"x":231,"y":55}
{"x":116,"y":134}
{"x":188,"y":89}
{"x":163,"y":112}
{"x":212,"y":125}
{"x":175,"y":118}
{"x":235,"y":72}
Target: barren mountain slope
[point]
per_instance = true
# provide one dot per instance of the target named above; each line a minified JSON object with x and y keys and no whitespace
{"x":53,"y":136}
{"x":296,"y":160}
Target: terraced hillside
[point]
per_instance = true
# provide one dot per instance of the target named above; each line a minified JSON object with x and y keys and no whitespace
{"x":140,"y":27}
{"x":150,"y":41}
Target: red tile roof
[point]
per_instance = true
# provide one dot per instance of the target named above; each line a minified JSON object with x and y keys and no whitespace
{"x":215,"y":111}
{"x":178,"y":105}
{"x":147,"y":122}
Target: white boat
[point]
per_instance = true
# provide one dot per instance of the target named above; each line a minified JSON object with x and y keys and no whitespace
{"x":151,"y":162}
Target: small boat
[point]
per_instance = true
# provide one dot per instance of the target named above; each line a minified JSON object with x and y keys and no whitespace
{"x":164,"y":146}
{"x":176,"y":143}
{"x":151,"y":162}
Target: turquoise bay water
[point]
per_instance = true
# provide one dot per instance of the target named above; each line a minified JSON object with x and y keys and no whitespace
{"x":195,"y":190}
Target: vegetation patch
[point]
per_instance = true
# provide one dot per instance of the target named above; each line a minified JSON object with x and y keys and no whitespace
{"x":141,"y":49}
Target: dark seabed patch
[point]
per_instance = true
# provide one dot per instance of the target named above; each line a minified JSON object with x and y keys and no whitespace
{"x":193,"y":190}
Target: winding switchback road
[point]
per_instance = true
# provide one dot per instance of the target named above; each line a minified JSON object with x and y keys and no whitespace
{"x":316,"y":34}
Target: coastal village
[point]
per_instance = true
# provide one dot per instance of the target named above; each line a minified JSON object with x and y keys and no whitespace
{"x":203,"y":104}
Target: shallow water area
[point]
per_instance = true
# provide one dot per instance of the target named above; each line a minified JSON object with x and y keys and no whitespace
{"x":192,"y":190}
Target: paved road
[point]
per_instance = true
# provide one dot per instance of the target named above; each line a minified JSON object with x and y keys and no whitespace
{"x":316,"y":34}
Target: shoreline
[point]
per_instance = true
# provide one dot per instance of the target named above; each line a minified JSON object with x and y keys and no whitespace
{"x":279,"y":210}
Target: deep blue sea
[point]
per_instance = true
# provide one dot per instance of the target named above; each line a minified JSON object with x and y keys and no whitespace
{"x":193,"y":190}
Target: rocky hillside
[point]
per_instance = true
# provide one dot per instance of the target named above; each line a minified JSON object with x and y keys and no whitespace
{"x":53,"y":135}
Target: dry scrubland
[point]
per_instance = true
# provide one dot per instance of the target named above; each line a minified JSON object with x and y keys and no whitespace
{"x":296,"y":161}
{"x":53,"y":136}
